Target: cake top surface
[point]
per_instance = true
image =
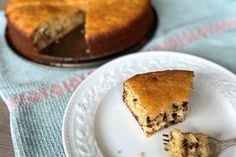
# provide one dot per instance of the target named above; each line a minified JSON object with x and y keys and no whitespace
{"x":109,"y":16}
{"x":158,"y":91}
{"x":28,"y":18}
{"x":103,"y":17}
{"x":14,"y":4}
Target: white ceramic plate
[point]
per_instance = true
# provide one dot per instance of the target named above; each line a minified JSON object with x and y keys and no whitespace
{"x":98,"y":123}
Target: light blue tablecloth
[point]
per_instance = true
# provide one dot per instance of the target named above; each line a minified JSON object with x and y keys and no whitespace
{"x":37,"y":95}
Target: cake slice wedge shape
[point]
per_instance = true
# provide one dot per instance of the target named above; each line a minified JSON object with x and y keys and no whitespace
{"x":158,"y":99}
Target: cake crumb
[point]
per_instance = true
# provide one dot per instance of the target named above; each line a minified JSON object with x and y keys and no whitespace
{"x":119,"y":151}
{"x":142,"y":154}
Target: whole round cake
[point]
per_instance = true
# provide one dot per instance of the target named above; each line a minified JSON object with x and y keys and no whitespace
{"x":110,"y":25}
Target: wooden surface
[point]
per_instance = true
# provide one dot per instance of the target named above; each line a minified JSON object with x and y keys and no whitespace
{"x":6,"y":149}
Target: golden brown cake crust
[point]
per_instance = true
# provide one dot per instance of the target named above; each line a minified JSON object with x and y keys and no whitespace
{"x":14,"y":4}
{"x":26,"y":19}
{"x":157,"y":91}
{"x":111,"y":25}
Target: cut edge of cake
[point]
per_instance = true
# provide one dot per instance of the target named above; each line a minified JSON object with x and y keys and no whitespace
{"x":57,"y":28}
{"x":47,"y":30}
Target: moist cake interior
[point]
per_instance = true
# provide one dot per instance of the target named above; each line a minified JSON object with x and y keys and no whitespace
{"x":56,"y":28}
{"x":172,"y":116}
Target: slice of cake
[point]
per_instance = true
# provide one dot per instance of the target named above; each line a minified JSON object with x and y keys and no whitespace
{"x":187,"y":144}
{"x":158,"y":99}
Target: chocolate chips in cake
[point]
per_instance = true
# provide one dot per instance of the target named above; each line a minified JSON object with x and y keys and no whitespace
{"x":158,"y":99}
{"x":187,"y":144}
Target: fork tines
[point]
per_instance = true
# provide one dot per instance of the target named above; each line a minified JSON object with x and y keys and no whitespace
{"x":165,"y":139}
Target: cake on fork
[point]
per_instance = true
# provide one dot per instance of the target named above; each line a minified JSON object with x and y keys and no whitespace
{"x":158,"y":99}
{"x":187,"y":144}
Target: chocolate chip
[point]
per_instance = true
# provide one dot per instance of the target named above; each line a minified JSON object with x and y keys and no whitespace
{"x":185,"y":143}
{"x":154,"y":78}
{"x":136,"y":117}
{"x":196,"y":145}
{"x":166,"y":125}
{"x":185,"y":108}
{"x":185,"y":103}
{"x":124,"y":95}
{"x":135,"y":99}
{"x":172,"y":122}
{"x":174,"y":115}
{"x":164,"y":117}
{"x":148,"y":120}
{"x":174,"y":106}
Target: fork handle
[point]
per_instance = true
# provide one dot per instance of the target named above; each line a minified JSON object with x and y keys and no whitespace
{"x":228,"y":143}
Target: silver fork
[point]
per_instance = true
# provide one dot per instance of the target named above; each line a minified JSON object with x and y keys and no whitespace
{"x":216,"y":146}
